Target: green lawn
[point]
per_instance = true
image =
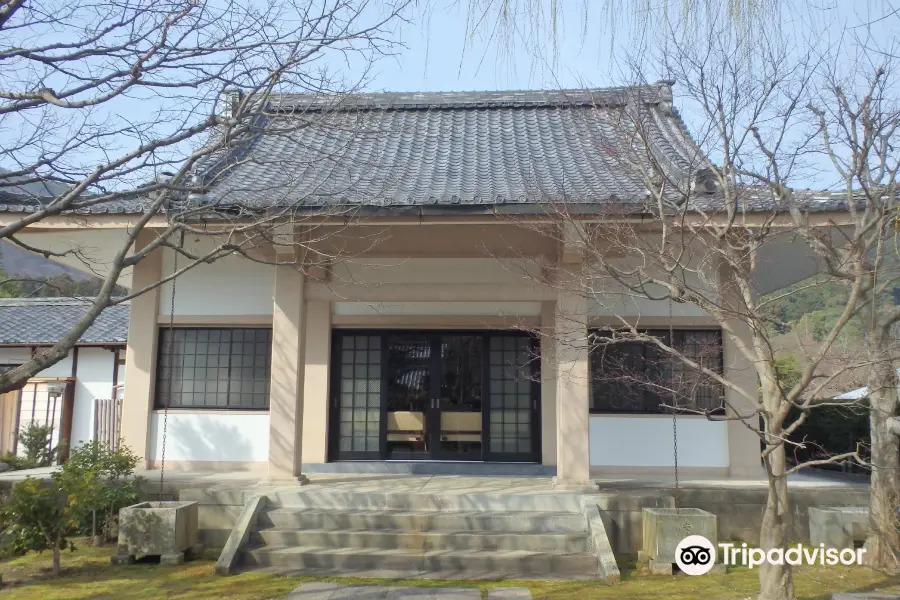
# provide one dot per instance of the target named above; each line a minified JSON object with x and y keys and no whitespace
{"x":89,"y":574}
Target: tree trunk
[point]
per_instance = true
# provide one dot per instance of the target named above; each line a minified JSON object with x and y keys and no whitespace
{"x":776,"y":582}
{"x":883,"y":541}
{"x":57,"y":569}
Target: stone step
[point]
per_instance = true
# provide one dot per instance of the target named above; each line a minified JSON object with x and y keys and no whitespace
{"x":547,"y":501}
{"x":557,"y":543}
{"x":396,"y":563}
{"x":481,"y":522}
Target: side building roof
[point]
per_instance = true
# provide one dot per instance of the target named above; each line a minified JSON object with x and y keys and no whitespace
{"x":43,"y":321}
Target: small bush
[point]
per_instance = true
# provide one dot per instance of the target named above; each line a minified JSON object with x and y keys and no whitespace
{"x":35,"y":441}
{"x":39,"y":515}
{"x":17,"y":463}
{"x":93,"y":484}
{"x":104,"y":478}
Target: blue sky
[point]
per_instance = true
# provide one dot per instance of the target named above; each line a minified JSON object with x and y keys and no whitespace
{"x":440,"y":56}
{"x":439,"y":53}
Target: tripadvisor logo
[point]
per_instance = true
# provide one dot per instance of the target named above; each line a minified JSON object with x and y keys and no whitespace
{"x":696,"y":555}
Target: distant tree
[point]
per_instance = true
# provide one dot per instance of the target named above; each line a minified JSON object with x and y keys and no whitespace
{"x":63,"y":286}
{"x":8,"y":288}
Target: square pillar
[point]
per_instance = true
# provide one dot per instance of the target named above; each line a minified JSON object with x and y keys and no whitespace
{"x":573,"y":463}
{"x":286,"y":389}
{"x":315,"y":383}
{"x":744,"y":450}
{"x":548,"y":384}
{"x":140,"y":352}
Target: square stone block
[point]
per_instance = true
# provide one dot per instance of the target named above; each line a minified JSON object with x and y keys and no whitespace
{"x":874,"y":596}
{"x":838,"y":526}
{"x":664,"y":528}
{"x":158,"y":528}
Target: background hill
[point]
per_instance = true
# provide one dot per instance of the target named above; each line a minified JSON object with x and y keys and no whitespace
{"x":812,"y":308}
{"x":30,"y":275}
{"x":18,"y":262}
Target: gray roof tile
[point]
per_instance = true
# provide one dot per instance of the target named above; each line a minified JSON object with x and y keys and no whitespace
{"x":449,"y":153}
{"x":17,"y":203}
{"x":46,"y":320}
{"x":470,"y":148}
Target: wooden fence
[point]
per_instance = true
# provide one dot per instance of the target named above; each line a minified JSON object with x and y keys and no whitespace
{"x":108,"y":420}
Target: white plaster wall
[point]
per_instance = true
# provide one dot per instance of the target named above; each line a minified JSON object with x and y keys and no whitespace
{"x":96,"y":248}
{"x":647,"y":441}
{"x":627,"y":305}
{"x":61,"y":369}
{"x":211,"y":436}
{"x":521,"y":309}
{"x":434,"y":270}
{"x":14,"y":355}
{"x":700,"y":274}
{"x":94,"y":380}
{"x":230,"y":286}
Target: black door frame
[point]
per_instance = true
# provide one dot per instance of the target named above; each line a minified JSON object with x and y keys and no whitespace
{"x":487,"y":455}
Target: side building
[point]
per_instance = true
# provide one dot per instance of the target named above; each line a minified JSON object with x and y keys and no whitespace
{"x":74,"y":397}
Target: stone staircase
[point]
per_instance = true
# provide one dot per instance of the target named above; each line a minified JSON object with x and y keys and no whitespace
{"x":471,"y":536}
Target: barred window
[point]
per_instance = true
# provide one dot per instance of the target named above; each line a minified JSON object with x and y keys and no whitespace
{"x":214,"y":368}
{"x":640,"y":377}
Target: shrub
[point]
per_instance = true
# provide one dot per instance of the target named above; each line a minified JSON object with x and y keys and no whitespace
{"x":104,"y":478}
{"x":16,"y":463}
{"x":35,"y":441}
{"x":43,"y":515}
{"x":39,"y":515}
{"x":831,"y":430}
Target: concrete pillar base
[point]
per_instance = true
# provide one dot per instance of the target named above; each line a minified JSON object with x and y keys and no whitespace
{"x":172,"y":559}
{"x":279,"y":481}
{"x":571,"y":485}
{"x":746,"y":472}
{"x":660,"y":568}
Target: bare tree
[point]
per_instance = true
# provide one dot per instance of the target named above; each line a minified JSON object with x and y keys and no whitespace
{"x":858,"y":123}
{"x":717,"y":218}
{"x":535,"y":28}
{"x":139,"y":109}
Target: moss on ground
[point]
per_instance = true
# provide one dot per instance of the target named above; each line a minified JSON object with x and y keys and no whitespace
{"x":89,"y":574}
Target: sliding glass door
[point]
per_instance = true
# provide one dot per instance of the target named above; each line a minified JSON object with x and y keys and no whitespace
{"x":427,"y":395}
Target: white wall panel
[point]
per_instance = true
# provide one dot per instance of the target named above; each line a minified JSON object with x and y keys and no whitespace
{"x":61,"y":369}
{"x":12,"y":356}
{"x":211,"y":436}
{"x":647,"y":441}
{"x":623,"y":305}
{"x":94,"y":380}
{"x":231,"y":286}
{"x":96,"y":248}
{"x":613,"y":299}
{"x":520,"y":309}
{"x":434,"y":270}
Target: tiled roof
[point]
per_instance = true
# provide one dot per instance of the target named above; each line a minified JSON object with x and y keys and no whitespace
{"x":450,"y":152}
{"x":46,"y":320}
{"x":17,"y":203}
{"x":757,"y":199}
{"x":471,"y":148}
